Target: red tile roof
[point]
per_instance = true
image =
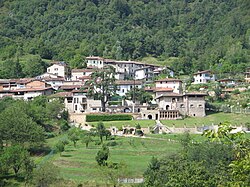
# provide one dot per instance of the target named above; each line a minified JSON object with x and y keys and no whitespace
{"x":31,"y":89}
{"x":82,"y":70}
{"x":205,"y":71}
{"x":169,"y":80}
{"x":128,"y":82}
{"x":163,"y":89}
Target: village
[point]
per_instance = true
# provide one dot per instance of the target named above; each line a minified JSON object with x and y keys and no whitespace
{"x":170,"y":98}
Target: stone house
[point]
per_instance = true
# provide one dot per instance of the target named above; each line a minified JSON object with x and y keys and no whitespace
{"x":174,"y":106}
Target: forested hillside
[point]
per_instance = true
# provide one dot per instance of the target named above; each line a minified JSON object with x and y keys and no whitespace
{"x":199,"y":34}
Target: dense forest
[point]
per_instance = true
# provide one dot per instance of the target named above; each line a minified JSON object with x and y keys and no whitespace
{"x":194,"y":34}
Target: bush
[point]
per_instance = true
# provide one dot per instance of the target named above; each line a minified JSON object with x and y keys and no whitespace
{"x":50,"y":135}
{"x":111,"y":144}
{"x":108,"y":117}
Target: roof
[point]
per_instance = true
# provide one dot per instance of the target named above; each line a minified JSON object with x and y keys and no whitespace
{"x":31,"y":89}
{"x":80,"y":91}
{"x":82,"y":70}
{"x":170,"y":95}
{"x":25,"y":80}
{"x":70,"y":87}
{"x":195,"y":93}
{"x":4,"y":81}
{"x":94,"y":58}
{"x":128,"y":82}
{"x":62,"y":94}
{"x":53,"y":79}
{"x":169,"y":80}
{"x":163,"y":90}
{"x":205,"y":71}
{"x":60,"y":63}
{"x":84,"y":77}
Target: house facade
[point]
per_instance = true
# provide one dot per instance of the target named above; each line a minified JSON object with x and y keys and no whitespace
{"x":175,"y":106}
{"x":124,"y":86}
{"x":202,"y":77}
{"x":175,"y":84}
{"x":60,"y":69}
{"x":76,"y":101}
{"x":80,"y":74}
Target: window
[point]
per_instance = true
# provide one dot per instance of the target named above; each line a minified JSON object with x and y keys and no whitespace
{"x":191,"y":106}
{"x":200,"y":106}
{"x":48,"y":70}
{"x":93,"y":108}
{"x":122,"y":90}
{"x":100,"y":62}
{"x":55,"y":69}
{"x":75,"y":107}
{"x":182,"y":106}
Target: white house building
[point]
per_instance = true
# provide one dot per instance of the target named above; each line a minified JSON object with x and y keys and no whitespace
{"x":80,"y":74}
{"x":202,"y":77}
{"x":125,"y":86}
{"x":60,"y":69}
{"x":175,"y":84}
{"x":95,"y":61}
{"x":76,"y":101}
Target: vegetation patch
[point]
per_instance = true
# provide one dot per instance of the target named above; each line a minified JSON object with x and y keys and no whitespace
{"x":106,"y":117}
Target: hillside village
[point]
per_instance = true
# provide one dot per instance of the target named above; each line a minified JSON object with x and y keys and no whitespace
{"x":170,"y":98}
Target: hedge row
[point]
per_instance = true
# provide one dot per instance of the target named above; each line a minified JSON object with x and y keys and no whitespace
{"x":108,"y":117}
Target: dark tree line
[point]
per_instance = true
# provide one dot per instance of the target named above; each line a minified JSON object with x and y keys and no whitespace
{"x":199,"y":34}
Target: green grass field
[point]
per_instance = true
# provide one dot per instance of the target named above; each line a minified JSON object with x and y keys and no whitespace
{"x":132,"y":123}
{"x":215,"y":118}
{"x":79,"y":164}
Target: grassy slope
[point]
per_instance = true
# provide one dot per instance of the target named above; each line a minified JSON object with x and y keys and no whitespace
{"x":216,"y":118}
{"x":235,"y":119}
{"x":78,"y":164}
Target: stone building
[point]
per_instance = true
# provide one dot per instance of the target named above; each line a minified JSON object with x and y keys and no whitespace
{"x":174,"y":106}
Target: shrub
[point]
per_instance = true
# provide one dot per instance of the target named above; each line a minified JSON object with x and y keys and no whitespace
{"x":108,"y":117}
{"x":111,"y":144}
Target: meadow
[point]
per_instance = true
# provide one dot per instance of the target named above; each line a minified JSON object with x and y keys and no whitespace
{"x":78,"y":164}
{"x":214,"y":118}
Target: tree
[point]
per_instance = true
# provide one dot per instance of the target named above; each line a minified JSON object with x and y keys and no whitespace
{"x":33,"y":66}
{"x":139,"y":94}
{"x":73,"y":135}
{"x":16,"y":157}
{"x":60,"y":147}
{"x":10,"y":69}
{"x":107,"y":134}
{"x":86,"y":138}
{"x":45,"y":175}
{"x":241,"y":149}
{"x":18,"y":127}
{"x":102,"y":156}
{"x":101,"y":130}
{"x":102,"y":85}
